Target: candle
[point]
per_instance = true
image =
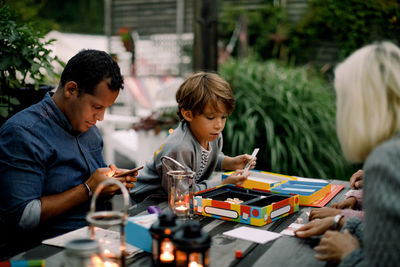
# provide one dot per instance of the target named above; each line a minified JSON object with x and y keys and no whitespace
{"x":167,"y":257}
{"x":181,"y":207}
{"x":110,"y":264}
{"x":194,"y":264}
{"x":167,"y":249}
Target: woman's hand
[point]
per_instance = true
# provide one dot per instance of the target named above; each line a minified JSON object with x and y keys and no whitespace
{"x":356,"y":180}
{"x":236,"y":178}
{"x":324,"y":212}
{"x":348,"y":203}
{"x":315,"y":227}
{"x":335,"y":246}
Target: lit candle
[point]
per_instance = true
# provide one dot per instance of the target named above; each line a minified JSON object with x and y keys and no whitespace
{"x":167,"y":249}
{"x":167,"y":257}
{"x":194,"y":264}
{"x":181,"y":207}
{"x":110,"y":264}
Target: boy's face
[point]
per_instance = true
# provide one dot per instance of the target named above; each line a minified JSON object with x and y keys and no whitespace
{"x":206,"y":127}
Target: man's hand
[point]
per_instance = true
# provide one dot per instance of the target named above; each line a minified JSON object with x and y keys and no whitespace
{"x":236,"y":178}
{"x":103,"y":174}
{"x":324,"y":212}
{"x":335,"y":246}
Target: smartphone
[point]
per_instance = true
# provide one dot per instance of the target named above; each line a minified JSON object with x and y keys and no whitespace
{"x":128,"y":172}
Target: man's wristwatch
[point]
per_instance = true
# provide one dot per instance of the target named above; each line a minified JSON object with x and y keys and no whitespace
{"x":89,"y":191}
{"x":336,"y":221}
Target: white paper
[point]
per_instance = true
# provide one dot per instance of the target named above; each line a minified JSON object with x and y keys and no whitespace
{"x":252,"y":234}
{"x":108,"y":239}
{"x":144,"y":220}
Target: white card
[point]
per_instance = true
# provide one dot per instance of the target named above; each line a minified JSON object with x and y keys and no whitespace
{"x":252,"y":234}
{"x":291,"y":228}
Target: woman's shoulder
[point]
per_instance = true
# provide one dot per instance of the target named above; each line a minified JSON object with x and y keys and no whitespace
{"x":385,"y":157}
{"x":386,"y":150}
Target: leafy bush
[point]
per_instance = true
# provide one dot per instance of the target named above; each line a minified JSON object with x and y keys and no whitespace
{"x":348,"y":24}
{"x":289,"y":114}
{"x":23,"y":56}
{"x":264,"y":22}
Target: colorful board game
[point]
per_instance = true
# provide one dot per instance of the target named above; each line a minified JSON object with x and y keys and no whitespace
{"x":262,"y":180}
{"x":309,"y":192}
{"x":238,"y":204}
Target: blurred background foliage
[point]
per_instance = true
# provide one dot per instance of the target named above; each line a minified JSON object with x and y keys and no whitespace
{"x":289,"y":112}
{"x":285,"y":106}
{"x":78,"y":16}
{"x":347,"y":25}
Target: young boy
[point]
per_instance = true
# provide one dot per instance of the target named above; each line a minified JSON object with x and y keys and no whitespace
{"x":204,"y":102}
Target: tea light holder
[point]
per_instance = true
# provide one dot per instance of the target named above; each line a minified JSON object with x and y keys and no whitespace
{"x":162,"y":231}
{"x":106,"y":219}
{"x":192,"y":246}
{"x":181,"y":192}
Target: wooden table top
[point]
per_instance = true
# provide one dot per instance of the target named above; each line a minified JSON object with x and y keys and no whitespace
{"x":285,"y":251}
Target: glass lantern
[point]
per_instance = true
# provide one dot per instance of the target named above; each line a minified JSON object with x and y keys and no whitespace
{"x":105,"y":219}
{"x":162,"y":231}
{"x":82,"y":252}
{"x":192,"y":246}
{"x":181,"y":188}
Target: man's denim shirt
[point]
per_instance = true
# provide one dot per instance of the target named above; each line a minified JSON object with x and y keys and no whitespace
{"x":41,"y":155}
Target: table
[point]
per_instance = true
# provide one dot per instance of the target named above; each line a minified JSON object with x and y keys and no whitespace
{"x":285,"y":251}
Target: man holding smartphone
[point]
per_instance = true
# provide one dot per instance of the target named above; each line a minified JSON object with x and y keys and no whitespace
{"x":51,"y":155}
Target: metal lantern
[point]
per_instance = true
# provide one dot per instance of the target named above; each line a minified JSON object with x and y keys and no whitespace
{"x":106,"y":219}
{"x":192,"y":246}
{"x":162,"y":231}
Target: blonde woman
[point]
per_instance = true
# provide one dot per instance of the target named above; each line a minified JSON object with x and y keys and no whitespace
{"x":368,"y":122}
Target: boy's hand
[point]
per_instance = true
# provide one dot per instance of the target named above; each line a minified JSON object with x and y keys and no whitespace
{"x":238,"y":162}
{"x":236,"y":178}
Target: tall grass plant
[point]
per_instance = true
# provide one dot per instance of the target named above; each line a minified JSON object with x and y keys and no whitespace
{"x":290,"y":114}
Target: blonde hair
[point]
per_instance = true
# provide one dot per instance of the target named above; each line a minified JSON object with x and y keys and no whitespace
{"x":202,"y":88}
{"x":368,"y":99}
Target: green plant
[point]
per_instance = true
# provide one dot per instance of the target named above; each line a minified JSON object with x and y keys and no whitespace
{"x":347,"y":24}
{"x":264,"y":24}
{"x":289,"y":114}
{"x":24,"y":57}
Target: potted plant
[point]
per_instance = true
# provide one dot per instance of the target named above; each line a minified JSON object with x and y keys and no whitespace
{"x":25,"y":64}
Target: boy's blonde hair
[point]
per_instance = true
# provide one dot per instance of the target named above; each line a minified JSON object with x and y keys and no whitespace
{"x":202,"y":88}
{"x":368,"y":99}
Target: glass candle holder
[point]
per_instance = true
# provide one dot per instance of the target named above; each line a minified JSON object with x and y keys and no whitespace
{"x":181,"y":192}
{"x":82,"y":252}
{"x":105,"y":219}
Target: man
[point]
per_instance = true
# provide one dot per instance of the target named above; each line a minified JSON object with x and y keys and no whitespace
{"x":51,"y":154}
